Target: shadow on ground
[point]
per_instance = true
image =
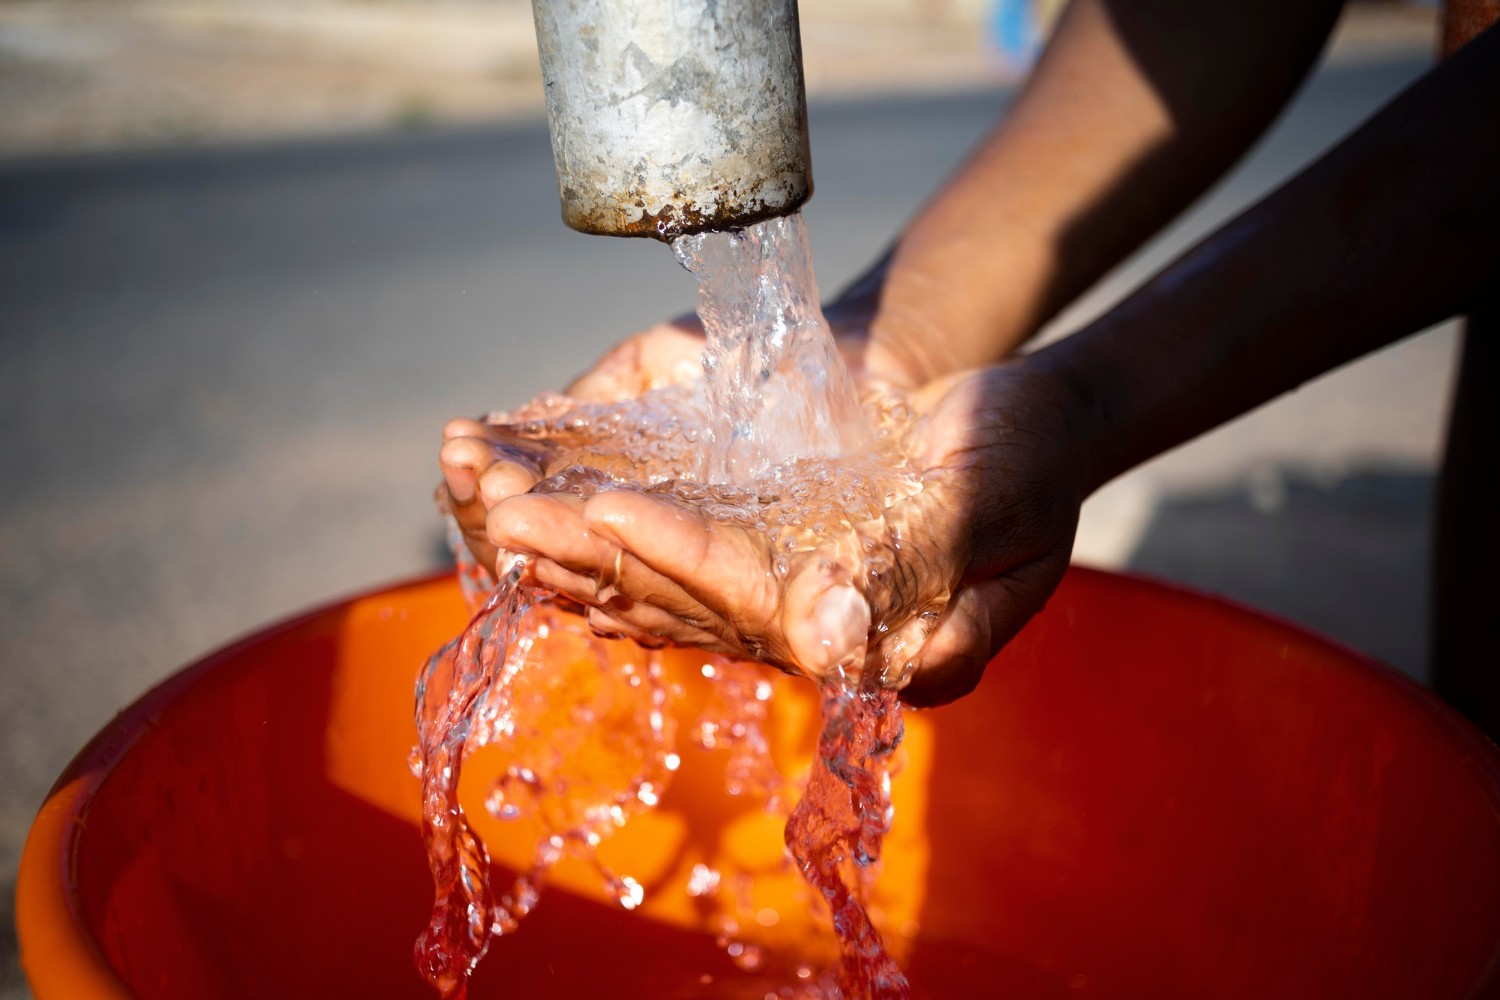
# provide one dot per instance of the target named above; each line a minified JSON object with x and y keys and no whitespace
{"x":1346,"y":555}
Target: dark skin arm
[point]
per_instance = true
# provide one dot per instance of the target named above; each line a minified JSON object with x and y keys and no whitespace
{"x":1395,"y":229}
{"x":1135,"y":109}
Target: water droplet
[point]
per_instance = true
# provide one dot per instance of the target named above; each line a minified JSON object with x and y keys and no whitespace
{"x":703,"y":881}
{"x":629,"y":893}
{"x":499,"y":807}
{"x":747,"y":956}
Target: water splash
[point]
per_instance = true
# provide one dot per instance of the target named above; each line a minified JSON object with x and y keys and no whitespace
{"x":775,"y":439}
{"x":836,"y":831}
{"x":449,"y":689}
{"x":734,"y":719}
{"x":776,"y":387}
{"x":587,"y":736}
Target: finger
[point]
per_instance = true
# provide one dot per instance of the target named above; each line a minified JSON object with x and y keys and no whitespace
{"x":825,"y":620}
{"x":977,"y":623}
{"x":548,"y":525}
{"x":604,"y":626}
{"x":506,"y":478}
{"x":461,"y":460}
{"x":591,"y":592}
{"x":637,"y":593}
{"x":653,"y":620}
{"x":952,"y":659}
{"x":590,"y":568}
{"x":669,"y":354}
{"x":612,"y":378}
{"x":607,"y":626}
{"x":601,"y":574}
{"x":463,"y":427}
{"x":572,"y":585}
{"x":645,"y":623}
{"x":723,"y":568}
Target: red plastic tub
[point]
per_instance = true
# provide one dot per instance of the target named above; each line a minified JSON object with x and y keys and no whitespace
{"x":1152,"y":794}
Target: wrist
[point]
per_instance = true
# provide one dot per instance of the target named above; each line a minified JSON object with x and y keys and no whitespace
{"x":1085,"y":409}
{"x":875,"y":348}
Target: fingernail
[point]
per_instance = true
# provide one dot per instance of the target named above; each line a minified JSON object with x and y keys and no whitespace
{"x":460,"y":484}
{"x":841,"y":623}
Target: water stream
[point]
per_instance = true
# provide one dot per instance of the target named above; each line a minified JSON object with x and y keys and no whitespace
{"x":775,"y":439}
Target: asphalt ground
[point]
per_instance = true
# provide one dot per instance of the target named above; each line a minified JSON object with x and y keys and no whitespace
{"x":223,"y":375}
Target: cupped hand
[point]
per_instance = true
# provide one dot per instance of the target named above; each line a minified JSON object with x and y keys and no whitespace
{"x":982,"y":547}
{"x":484,"y":462}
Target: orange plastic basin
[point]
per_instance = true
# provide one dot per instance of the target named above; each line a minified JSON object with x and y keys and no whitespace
{"x":1152,"y":794}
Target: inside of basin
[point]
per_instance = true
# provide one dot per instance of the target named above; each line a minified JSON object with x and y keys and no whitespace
{"x":1150,"y":794}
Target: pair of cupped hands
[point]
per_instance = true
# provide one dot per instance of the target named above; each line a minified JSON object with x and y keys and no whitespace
{"x":982,"y":546}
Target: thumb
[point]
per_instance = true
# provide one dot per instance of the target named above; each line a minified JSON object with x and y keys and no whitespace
{"x":825,"y":621}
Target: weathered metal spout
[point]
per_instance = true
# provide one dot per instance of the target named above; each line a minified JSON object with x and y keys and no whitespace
{"x":674,"y":116}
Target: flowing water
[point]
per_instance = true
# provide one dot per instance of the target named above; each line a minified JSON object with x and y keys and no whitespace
{"x":774,"y":439}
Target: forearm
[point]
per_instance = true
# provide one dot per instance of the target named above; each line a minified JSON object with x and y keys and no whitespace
{"x":1135,"y":108}
{"x":1397,"y":228}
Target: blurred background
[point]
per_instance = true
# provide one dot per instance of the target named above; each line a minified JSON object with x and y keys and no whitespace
{"x":253,"y":253}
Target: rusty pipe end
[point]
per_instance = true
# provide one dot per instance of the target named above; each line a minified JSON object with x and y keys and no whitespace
{"x":671,"y":117}
{"x":681,"y":216}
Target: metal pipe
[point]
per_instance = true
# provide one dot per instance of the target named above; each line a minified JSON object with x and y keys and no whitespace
{"x":674,"y":116}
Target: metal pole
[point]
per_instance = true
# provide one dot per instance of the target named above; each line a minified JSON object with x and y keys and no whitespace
{"x":674,"y":116}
